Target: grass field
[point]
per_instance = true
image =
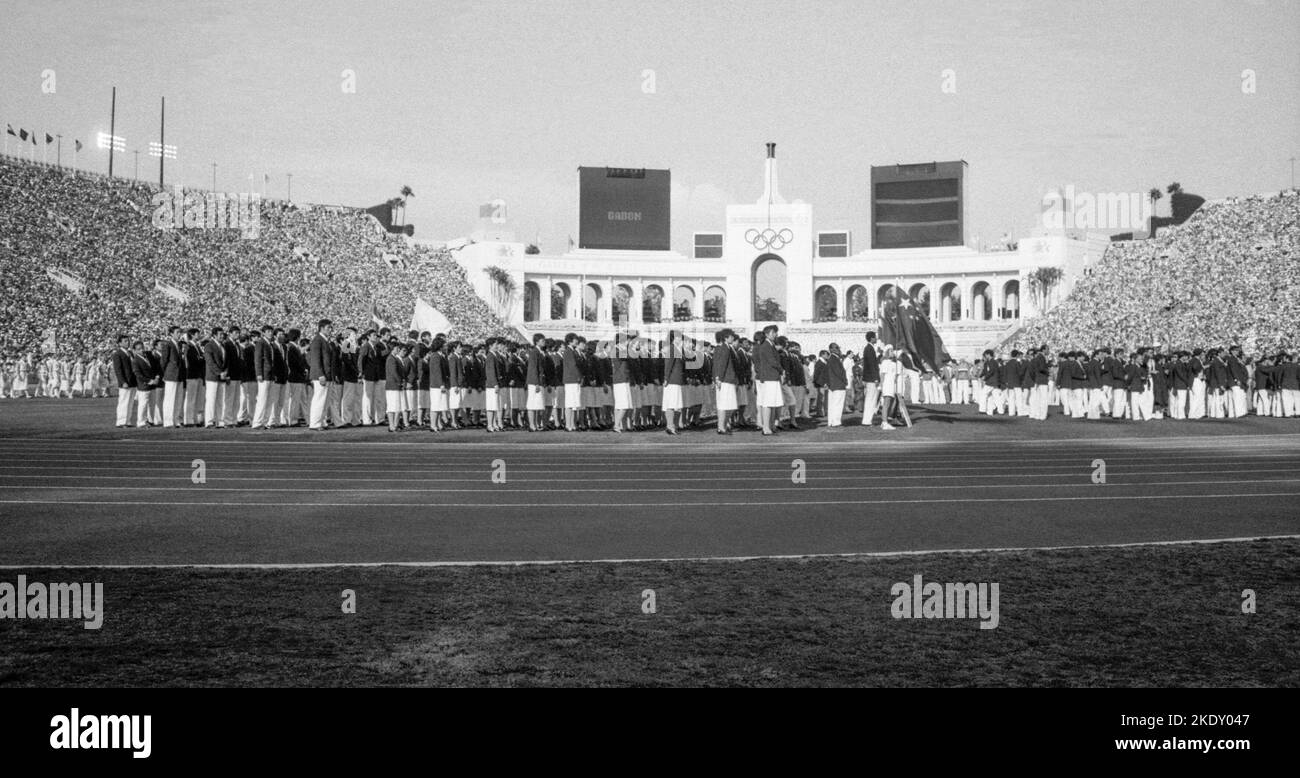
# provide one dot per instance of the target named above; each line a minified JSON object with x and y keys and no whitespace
{"x":1140,"y":616}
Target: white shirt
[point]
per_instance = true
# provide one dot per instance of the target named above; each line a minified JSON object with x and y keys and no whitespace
{"x":889,"y":369}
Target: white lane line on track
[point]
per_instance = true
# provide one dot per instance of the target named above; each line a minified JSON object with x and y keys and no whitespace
{"x":613,"y":441}
{"x":1266,"y":442}
{"x":604,"y":466}
{"x":487,"y":488}
{"x":422,"y":476}
{"x":677,"y":504}
{"x":645,"y":560}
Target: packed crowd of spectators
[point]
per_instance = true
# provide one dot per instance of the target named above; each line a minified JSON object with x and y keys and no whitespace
{"x":1225,"y":276}
{"x":305,"y":263}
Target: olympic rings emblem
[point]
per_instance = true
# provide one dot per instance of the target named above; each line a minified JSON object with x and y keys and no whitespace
{"x":769,"y":238}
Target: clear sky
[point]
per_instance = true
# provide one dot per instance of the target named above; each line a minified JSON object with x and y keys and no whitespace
{"x":467,"y":101}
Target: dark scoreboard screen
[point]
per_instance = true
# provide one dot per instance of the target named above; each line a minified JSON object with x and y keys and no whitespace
{"x":918,"y":205}
{"x":624,"y":208}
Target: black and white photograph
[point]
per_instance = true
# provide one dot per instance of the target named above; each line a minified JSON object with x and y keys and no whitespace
{"x":354,"y":349}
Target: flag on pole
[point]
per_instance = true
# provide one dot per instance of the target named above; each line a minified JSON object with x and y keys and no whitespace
{"x":68,"y":280}
{"x":429,"y":319}
{"x":9,"y":128}
{"x":78,"y":143}
{"x":376,"y":317}
{"x":171,"y":291}
{"x":907,"y":328}
{"x":49,"y":138}
{"x":22,"y":135}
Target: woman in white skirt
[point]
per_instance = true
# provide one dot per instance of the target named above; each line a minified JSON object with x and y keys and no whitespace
{"x":889,"y":374}
{"x":674,"y":380}
{"x":396,"y":373}
{"x":438,"y":401}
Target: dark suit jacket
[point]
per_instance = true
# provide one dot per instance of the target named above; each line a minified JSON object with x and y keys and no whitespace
{"x":618,"y":371}
{"x":436,"y":366}
{"x":248,"y":356}
{"x":194,"y":369}
{"x":794,"y":372}
{"x":1136,"y":377}
{"x":234,"y":363}
{"x":123,"y":370}
{"x":1011,"y":374}
{"x":675,"y":371}
{"x":320,"y":359}
{"x":279,"y":363}
{"x":724,"y":364}
{"x":214,"y":356}
{"x":767,"y":362}
{"x":297,"y":363}
{"x":145,"y":372}
{"x":336,"y":362}
{"x":870,"y":365}
{"x":572,"y":373}
{"x":819,"y":372}
{"x":263,"y":363}
{"x":534,"y":373}
{"x":371,"y":360}
{"x":836,"y":379}
{"x":1237,"y":375}
{"x":349,"y":367}
{"x":173,"y":360}
{"x":395,"y":373}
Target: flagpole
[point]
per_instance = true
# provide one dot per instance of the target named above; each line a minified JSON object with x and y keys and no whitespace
{"x":59,"y":149}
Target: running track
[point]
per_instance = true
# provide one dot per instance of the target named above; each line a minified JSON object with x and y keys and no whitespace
{"x":322,"y":501}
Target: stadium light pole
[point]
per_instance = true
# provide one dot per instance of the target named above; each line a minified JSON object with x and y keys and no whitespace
{"x":162,"y":140}
{"x":214,"y":177}
{"x":289,"y":193}
{"x":58,"y":152}
{"x":112,"y":131}
{"x":137,"y":164}
{"x":1293,"y":172}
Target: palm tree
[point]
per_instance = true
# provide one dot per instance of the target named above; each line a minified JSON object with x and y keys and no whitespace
{"x":400,"y":202}
{"x":1174,"y":188}
{"x":1154,"y":195}
{"x":1041,"y":281}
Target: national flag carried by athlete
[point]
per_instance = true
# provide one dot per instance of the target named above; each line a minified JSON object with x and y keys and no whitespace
{"x":429,"y":319}
{"x":906,"y":327}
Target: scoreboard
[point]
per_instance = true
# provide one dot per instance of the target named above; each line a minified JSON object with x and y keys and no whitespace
{"x":919,"y":205}
{"x":624,"y":208}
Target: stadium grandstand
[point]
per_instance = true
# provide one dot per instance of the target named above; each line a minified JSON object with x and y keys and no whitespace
{"x":1226,"y":275}
{"x":81,"y":259}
